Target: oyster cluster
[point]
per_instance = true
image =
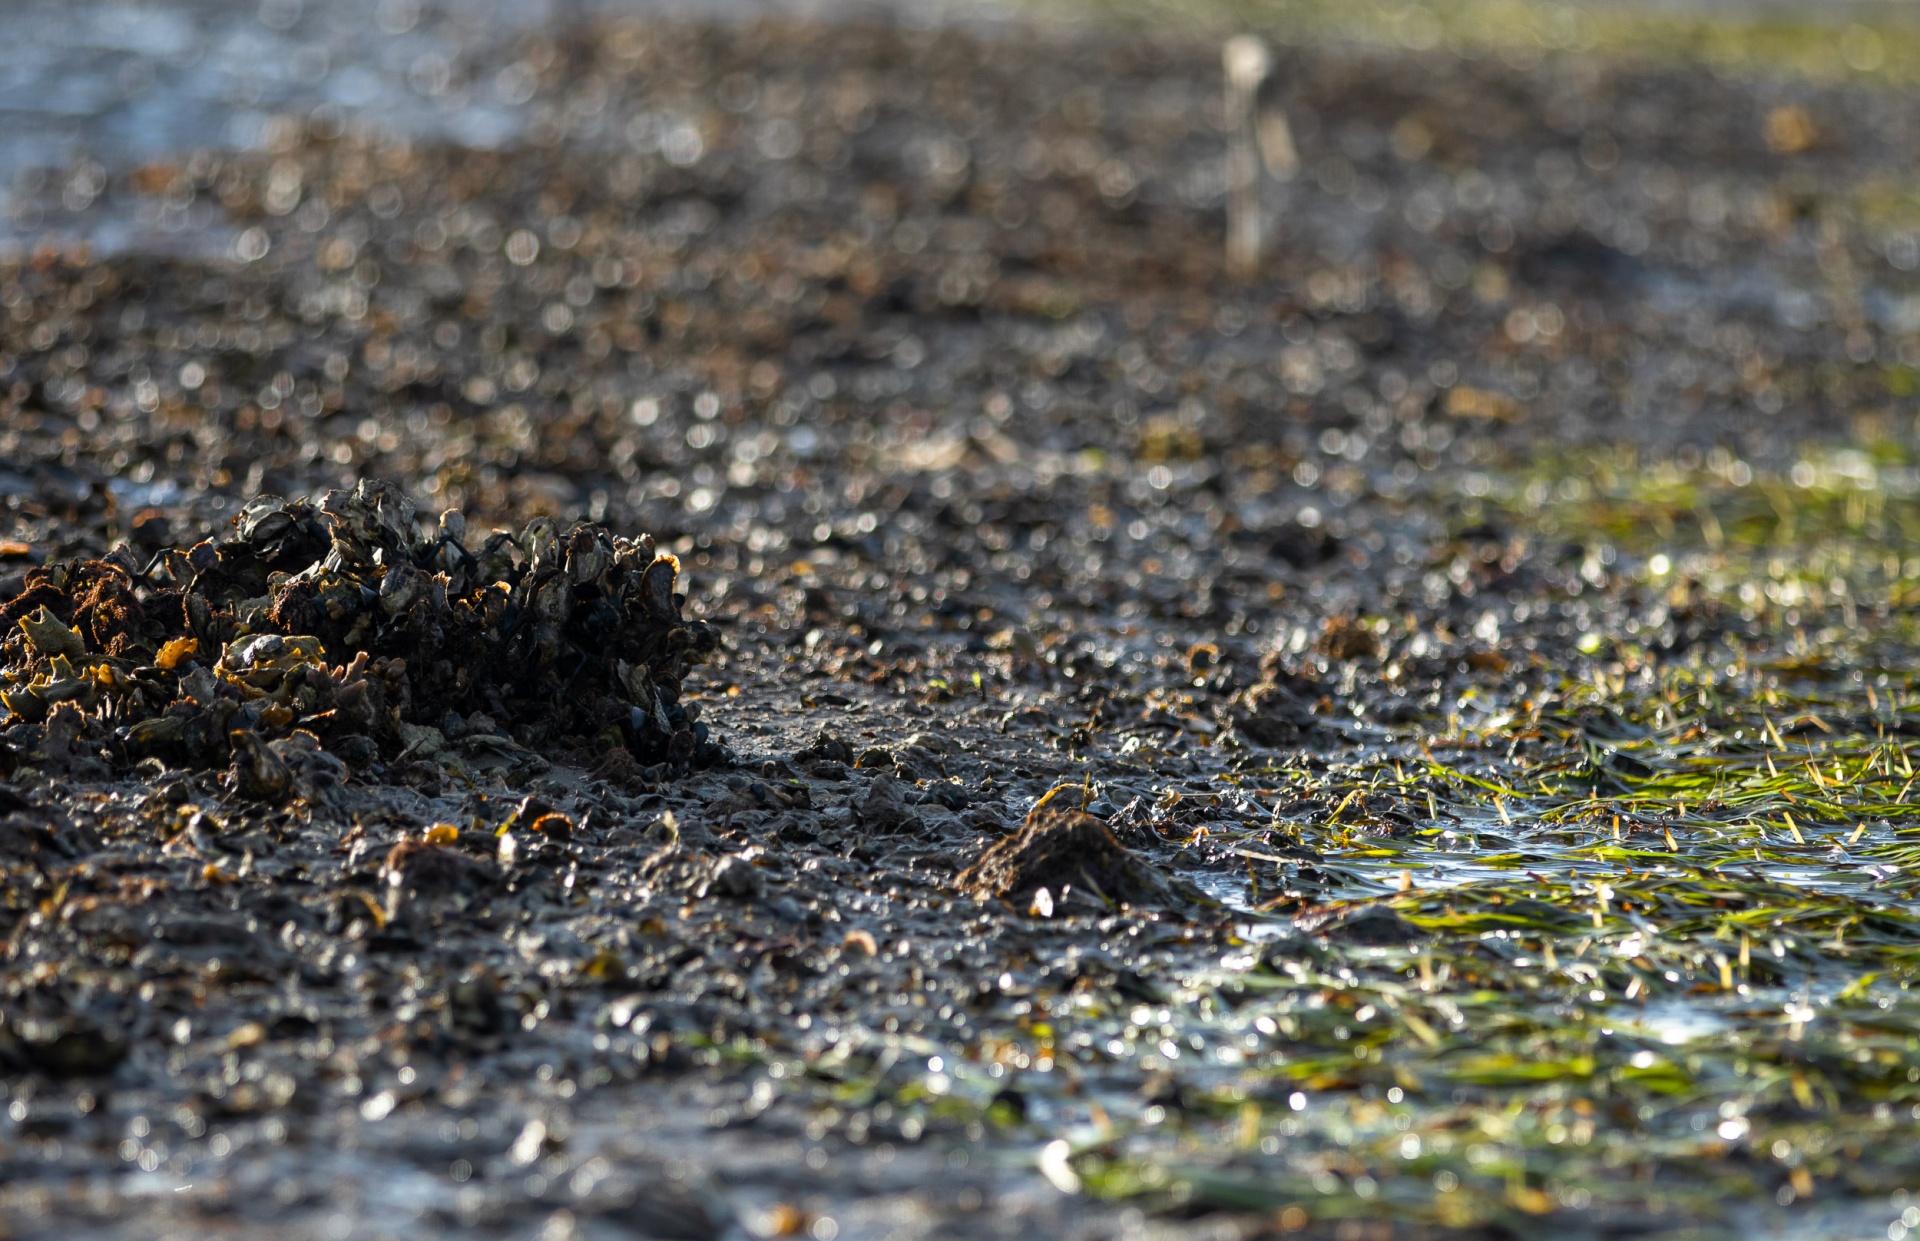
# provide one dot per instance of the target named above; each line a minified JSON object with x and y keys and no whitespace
{"x":339,"y":632}
{"x":1060,"y":848}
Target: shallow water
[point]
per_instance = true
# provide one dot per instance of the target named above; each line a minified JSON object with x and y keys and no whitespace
{"x":95,"y":88}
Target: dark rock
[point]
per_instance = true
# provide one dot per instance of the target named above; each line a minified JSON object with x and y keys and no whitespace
{"x":882,"y":808}
{"x":436,"y":870}
{"x":1059,"y":848}
{"x":666,"y":1209}
{"x":737,"y":877}
{"x":72,"y":1046}
{"x":1368,"y":924}
{"x":29,"y":837}
{"x":1303,"y":547}
{"x":825,"y":748}
{"x":1278,"y":710}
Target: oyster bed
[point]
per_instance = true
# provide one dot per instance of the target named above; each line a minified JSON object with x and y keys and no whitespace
{"x":930,"y":711}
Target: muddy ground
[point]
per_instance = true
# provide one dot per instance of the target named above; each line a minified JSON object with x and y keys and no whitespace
{"x":1467,"y":667}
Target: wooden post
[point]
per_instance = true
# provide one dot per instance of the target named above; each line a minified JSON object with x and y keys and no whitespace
{"x":1247,"y":63}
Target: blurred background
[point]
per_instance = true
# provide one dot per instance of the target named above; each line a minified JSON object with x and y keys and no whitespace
{"x":96,"y":87}
{"x":645,"y":261}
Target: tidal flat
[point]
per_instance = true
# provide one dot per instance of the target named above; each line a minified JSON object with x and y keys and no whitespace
{"x":784,"y":653}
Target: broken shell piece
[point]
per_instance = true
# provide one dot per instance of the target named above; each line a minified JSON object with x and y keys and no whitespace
{"x":421,"y":740}
{"x":175,"y":652}
{"x":400,"y":586}
{"x":257,"y":771}
{"x":25,"y":703}
{"x":270,"y":651}
{"x":52,"y":638}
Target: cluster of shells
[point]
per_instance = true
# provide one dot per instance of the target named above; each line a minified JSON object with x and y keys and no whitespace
{"x":317,"y":636}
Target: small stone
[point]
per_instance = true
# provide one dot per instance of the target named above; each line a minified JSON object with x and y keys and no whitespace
{"x":933,"y":743}
{"x":736,"y":876}
{"x":825,"y":748}
{"x":883,"y":808}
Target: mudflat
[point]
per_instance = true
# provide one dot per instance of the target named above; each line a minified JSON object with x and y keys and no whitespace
{"x":788,"y":655}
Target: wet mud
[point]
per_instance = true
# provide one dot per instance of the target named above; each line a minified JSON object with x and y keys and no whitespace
{"x":791,"y":657}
